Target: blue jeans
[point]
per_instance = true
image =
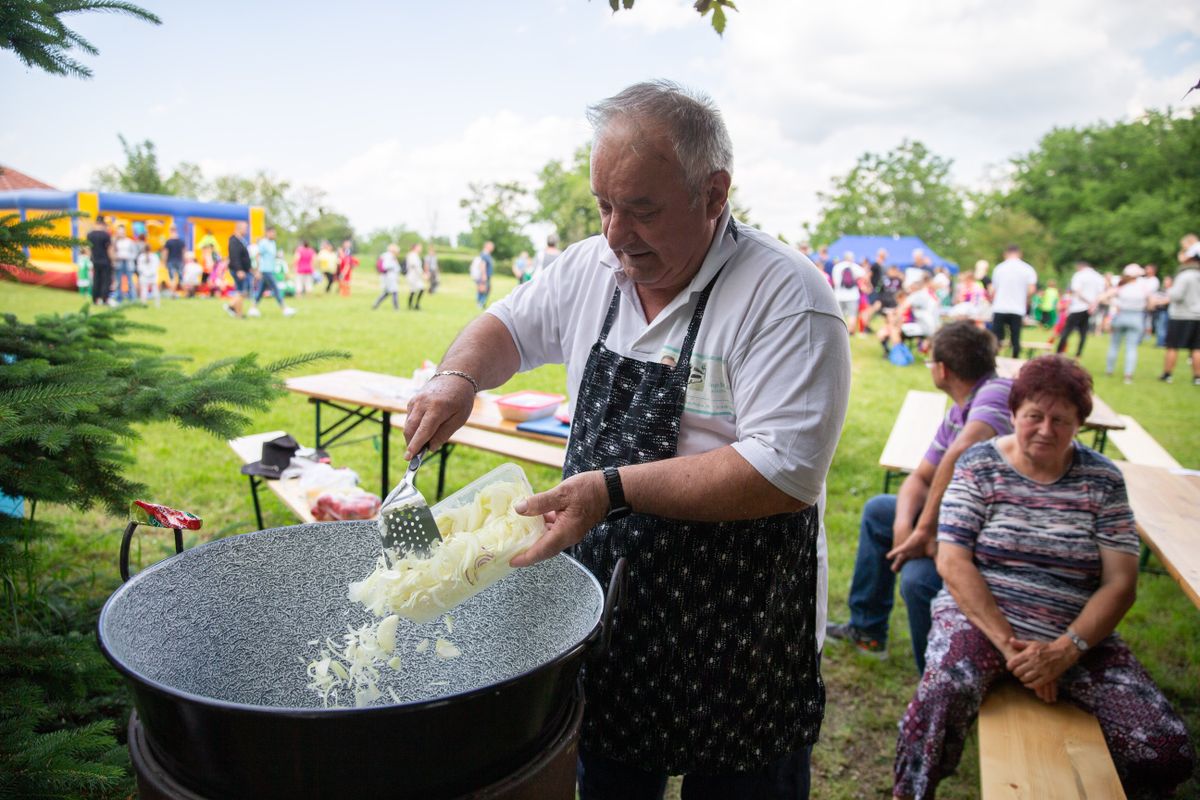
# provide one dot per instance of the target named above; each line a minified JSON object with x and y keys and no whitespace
{"x":126,"y":268}
{"x":873,"y":585}
{"x":1127,"y":325}
{"x":266,"y":283}
{"x":1160,"y":327}
{"x":602,"y":778}
{"x":244,"y":281}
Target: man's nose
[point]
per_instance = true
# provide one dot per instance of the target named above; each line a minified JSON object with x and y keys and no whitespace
{"x":619,"y":231}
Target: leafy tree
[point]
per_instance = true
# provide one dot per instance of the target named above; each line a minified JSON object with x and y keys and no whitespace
{"x":565,"y":198}
{"x":1114,"y":192}
{"x":993,"y":225}
{"x":34,"y":31}
{"x":262,"y":189}
{"x":187,"y":181}
{"x":496,"y":214}
{"x":329,"y":225}
{"x":904,"y":192}
{"x":140,"y":173}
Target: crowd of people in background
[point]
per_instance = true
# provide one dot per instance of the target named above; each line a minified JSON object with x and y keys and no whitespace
{"x":904,"y":306}
{"x":120,"y":266}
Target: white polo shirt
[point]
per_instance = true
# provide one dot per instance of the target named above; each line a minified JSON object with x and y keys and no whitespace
{"x":770,"y":367}
{"x":1010,"y":286}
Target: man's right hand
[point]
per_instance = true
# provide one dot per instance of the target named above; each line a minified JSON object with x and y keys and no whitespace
{"x":440,"y":408}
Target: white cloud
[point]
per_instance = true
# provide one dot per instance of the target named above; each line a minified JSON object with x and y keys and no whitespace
{"x":808,"y":87}
{"x":654,"y":16}
{"x":390,"y":183}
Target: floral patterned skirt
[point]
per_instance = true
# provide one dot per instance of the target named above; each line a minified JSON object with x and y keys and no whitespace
{"x":1148,"y":742}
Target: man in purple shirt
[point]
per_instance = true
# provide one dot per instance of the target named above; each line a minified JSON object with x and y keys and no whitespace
{"x":898,"y":533}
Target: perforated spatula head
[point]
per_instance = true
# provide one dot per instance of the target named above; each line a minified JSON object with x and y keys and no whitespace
{"x":406,"y":524}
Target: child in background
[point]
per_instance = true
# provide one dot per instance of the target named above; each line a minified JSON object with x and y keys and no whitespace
{"x":83,"y":275}
{"x":346,"y":264}
{"x":192,"y":274}
{"x":147,"y":269}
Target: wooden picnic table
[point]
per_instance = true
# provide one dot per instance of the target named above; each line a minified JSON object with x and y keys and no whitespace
{"x":357,"y":396}
{"x":1166,"y":507}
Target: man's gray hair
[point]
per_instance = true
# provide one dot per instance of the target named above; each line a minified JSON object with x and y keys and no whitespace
{"x":692,"y":121}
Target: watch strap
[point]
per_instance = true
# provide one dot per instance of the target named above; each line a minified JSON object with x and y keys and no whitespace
{"x":617,"y":507}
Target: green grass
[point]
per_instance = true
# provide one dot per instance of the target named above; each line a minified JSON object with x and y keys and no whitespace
{"x":192,"y":471}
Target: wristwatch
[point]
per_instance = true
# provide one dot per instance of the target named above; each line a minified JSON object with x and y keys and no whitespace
{"x":617,"y":507}
{"x":1077,"y":640}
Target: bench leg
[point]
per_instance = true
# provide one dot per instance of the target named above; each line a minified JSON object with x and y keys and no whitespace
{"x":317,"y":433}
{"x":254,"y":495}
{"x":1100,"y":440}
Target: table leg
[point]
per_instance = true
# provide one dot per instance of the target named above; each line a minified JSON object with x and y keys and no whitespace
{"x":254,"y":495}
{"x":317,"y":435}
{"x":386,"y":435}
{"x":1100,"y":440}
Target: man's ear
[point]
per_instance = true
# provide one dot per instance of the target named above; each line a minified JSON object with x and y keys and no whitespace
{"x":718,"y":193}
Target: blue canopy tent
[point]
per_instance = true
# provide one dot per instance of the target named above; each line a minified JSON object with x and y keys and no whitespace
{"x":899,"y":250}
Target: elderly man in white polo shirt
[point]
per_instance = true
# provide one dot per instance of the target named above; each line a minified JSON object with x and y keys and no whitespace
{"x":709,"y":370}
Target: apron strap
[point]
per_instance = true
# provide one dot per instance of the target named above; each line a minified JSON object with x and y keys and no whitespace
{"x":612,"y":314}
{"x":683,"y":366}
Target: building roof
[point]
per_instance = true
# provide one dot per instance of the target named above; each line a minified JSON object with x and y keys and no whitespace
{"x":12,"y":179}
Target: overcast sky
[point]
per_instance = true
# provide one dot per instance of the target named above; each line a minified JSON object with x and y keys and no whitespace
{"x":393,"y":108}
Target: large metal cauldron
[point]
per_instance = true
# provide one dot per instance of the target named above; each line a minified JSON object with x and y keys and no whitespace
{"x":212,"y":642}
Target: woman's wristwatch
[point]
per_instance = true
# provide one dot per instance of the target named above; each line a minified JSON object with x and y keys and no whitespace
{"x":1077,"y":640}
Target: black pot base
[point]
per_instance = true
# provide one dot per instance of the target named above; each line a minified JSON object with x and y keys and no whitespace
{"x":550,"y":775}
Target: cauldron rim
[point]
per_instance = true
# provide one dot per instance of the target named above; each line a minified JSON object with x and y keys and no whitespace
{"x":304,"y":712}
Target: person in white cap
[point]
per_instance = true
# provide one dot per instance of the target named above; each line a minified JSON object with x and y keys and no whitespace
{"x":1129,"y":298}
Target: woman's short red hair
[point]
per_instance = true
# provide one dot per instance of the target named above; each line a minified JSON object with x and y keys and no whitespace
{"x":1053,"y":377}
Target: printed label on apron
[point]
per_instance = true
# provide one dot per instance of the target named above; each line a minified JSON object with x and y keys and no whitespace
{"x":708,"y":391}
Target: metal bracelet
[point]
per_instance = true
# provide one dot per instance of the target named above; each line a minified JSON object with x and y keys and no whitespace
{"x":459,"y":374}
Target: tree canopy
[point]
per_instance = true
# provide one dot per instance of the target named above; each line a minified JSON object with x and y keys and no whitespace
{"x":496,"y":213}
{"x":34,"y":30}
{"x":565,"y":198}
{"x":1113,"y":193}
{"x":903,"y":192}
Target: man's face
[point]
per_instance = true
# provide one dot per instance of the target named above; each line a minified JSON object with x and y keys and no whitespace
{"x":659,"y":231}
{"x":240,"y":229}
{"x":271,"y":233}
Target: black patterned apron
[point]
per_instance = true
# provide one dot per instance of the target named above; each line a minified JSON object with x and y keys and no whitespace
{"x":713,"y":662}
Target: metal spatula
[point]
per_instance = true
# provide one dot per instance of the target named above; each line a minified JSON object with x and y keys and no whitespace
{"x":406,"y":524}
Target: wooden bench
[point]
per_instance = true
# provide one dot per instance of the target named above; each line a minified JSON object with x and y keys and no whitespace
{"x":918,"y":421}
{"x":1030,"y":749}
{"x":522,"y":449}
{"x":249,"y":449}
{"x":1139,"y":447}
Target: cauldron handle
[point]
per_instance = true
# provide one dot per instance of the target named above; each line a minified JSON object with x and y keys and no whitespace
{"x":155,"y":516}
{"x":127,"y":538}
{"x":613,"y":602}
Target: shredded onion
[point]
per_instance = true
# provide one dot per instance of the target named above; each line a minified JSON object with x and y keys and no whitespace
{"x":478,"y":540}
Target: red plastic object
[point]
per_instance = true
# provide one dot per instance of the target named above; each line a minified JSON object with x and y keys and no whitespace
{"x":160,"y":516}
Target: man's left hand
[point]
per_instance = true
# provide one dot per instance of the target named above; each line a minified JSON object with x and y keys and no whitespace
{"x":1040,"y":664}
{"x":921,"y":543}
{"x":571,"y":509}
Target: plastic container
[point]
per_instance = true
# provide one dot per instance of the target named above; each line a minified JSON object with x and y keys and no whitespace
{"x":524,"y":406}
{"x":462,"y":580}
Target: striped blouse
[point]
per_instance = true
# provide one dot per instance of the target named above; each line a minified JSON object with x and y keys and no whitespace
{"x":1037,"y":545}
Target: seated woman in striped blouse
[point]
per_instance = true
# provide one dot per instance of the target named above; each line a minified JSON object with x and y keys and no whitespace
{"x":1038,"y":551}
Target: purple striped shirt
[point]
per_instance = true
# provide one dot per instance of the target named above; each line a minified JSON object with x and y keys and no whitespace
{"x":1037,"y":545}
{"x":987,"y":403}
